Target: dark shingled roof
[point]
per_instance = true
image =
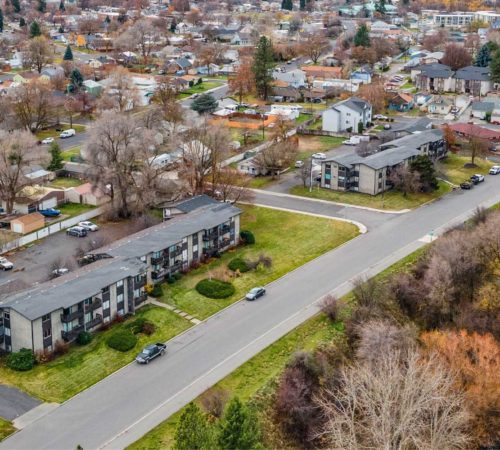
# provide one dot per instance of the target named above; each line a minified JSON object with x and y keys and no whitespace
{"x":435,"y":70}
{"x":474,"y":73}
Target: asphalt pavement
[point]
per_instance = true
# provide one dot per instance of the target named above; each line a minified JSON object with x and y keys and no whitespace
{"x":121,"y":408}
{"x":14,"y":403}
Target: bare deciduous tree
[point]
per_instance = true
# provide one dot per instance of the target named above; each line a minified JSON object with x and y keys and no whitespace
{"x":37,"y":53}
{"x":120,"y":94}
{"x":405,"y":180}
{"x":314,"y":45}
{"x":18,"y":150}
{"x":276,"y":158}
{"x":143,"y":35}
{"x":232,"y":185}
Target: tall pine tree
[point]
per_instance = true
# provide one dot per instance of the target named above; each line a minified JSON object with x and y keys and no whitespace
{"x":495,"y":66}
{"x":302,"y":5}
{"x":56,"y":161}
{"x":35,"y":29}
{"x":484,"y":55}
{"x":287,"y":4}
{"x":362,"y":38}
{"x":42,"y":6}
{"x":68,"y":54}
{"x":1,"y":20}
{"x":16,"y":5}
{"x":262,"y":66}
{"x":238,"y":428}
{"x":61,"y":6}
{"x":22,"y":22}
{"x":193,"y":431}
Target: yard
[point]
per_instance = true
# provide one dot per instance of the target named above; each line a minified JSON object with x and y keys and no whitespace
{"x":81,"y":367}
{"x":259,"y":372}
{"x":74,"y":209}
{"x":6,"y":429}
{"x":51,"y":132}
{"x":391,"y":200}
{"x":301,"y":238}
{"x":70,"y":153}
{"x":452,"y":168}
{"x":312,"y":144}
{"x":303,"y":118}
{"x":199,"y":88}
{"x":65,"y":182}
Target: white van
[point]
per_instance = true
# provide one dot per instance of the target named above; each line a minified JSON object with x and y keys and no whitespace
{"x":160,"y":161}
{"x":67,"y":133}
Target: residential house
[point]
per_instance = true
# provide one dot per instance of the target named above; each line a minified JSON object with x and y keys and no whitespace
{"x":286,"y":94}
{"x":289,"y":112}
{"x":32,"y":199}
{"x":407,"y":128}
{"x":178,"y":65}
{"x":401,"y":102}
{"x":433,"y":77}
{"x":481,"y":110}
{"x":473,"y":80}
{"x":251,"y":166}
{"x":346,"y":115}
{"x":27,"y":223}
{"x":363,"y":75}
{"x":469,"y":130}
{"x":294,"y":78}
{"x":92,"y":87}
{"x":92,"y":296}
{"x":321,"y":72}
{"x":86,"y":194}
{"x":440,"y":105}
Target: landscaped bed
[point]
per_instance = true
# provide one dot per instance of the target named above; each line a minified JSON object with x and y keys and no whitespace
{"x":81,"y":367}
{"x":300,"y":239}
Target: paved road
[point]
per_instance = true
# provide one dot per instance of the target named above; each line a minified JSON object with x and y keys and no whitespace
{"x":14,"y":403}
{"x":121,"y":408}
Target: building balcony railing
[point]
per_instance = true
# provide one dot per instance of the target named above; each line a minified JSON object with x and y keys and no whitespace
{"x":156,"y":261}
{"x":140,"y":283}
{"x":72,"y":334}
{"x":97,"y":320}
{"x":210,"y":251}
{"x":176,"y":252}
{"x":225,"y":229}
{"x":97,"y":303}
{"x":141,"y":299}
{"x":71,"y":316}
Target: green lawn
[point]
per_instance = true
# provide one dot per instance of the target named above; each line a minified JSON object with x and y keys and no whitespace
{"x":73,"y":209}
{"x":51,"y":132}
{"x":81,"y":367}
{"x":452,"y":168}
{"x":300,"y":239}
{"x":6,"y":429}
{"x":312,"y":106}
{"x":391,"y":200}
{"x":303,"y":118}
{"x":199,"y":88}
{"x":68,"y":154}
{"x":255,"y":374}
{"x":65,"y":182}
{"x":260,"y":182}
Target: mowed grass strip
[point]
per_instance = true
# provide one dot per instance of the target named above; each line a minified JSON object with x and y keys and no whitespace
{"x":82,"y":367}
{"x":452,"y":168}
{"x":289,"y":239}
{"x":6,"y":429}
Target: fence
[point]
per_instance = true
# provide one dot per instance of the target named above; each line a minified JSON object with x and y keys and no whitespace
{"x":51,"y":229}
{"x":321,"y":133}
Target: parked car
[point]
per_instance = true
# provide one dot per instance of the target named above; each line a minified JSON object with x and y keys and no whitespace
{"x":60,"y":271}
{"x":380,"y":117}
{"x":318,"y":156}
{"x":67,"y":133}
{"x":495,"y":170}
{"x":454,"y":110}
{"x":466,"y":185}
{"x":76,"y":231}
{"x":5,"y":264}
{"x":195,"y":95}
{"x":299,"y":164}
{"x":387,"y":126}
{"x":48,"y":140}
{"x":150,"y":352}
{"x":49,"y":212}
{"x":255,"y":293}
{"x":89,"y":226}
{"x":477,"y":178}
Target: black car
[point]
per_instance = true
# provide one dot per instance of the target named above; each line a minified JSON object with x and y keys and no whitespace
{"x":466,"y":185}
{"x":255,"y":293}
{"x":150,"y":352}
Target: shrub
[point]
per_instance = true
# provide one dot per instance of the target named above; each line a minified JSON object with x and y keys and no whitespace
{"x":157,"y":290}
{"x":247,"y":237}
{"x":148,"y":328}
{"x":43,"y":356}
{"x":21,"y":361}
{"x":122,"y":340}
{"x":265,"y":260}
{"x":215,"y":288}
{"x":170,"y":279}
{"x":60,"y":348}
{"x":136,"y":325}
{"x":83,"y":338}
{"x":330,"y":307}
{"x":177,"y":276}
{"x":238,"y":264}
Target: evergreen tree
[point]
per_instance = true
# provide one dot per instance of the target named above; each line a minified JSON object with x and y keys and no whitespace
{"x":362,"y":38}
{"x":61,"y":29}
{"x":484,"y":55}
{"x":425,"y":167}
{"x":22,"y":22}
{"x":16,"y":5}
{"x":35,"y":29}
{"x":262,"y":66}
{"x":302,"y":5}
{"x":56,"y":161}
{"x":61,"y":6}
{"x":495,"y":66}
{"x":193,"y":431}
{"x":107,"y":20}
{"x":1,"y":20}
{"x":68,"y":54}
{"x":42,"y":6}
{"x":287,"y":4}
{"x":205,"y":103}
{"x":380,"y":7}
{"x":76,"y":81}
{"x":238,"y":429}
{"x":173,"y":25}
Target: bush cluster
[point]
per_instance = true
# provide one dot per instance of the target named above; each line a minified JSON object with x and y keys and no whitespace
{"x":215,"y":288}
{"x":122,"y":340}
{"x":21,"y":361}
{"x":247,"y":237}
{"x":238,"y":264}
{"x":83,"y":338}
{"x":141,"y":325}
{"x":157,"y":290}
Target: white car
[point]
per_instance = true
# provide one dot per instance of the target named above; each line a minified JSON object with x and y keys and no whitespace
{"x":89,"y":226}
{"x":48,"y":140}
{"x":299,"y":164}
{"x":5,"y":264}
{"x":495,"y":170}
{"x":319,"y":156}
{"x":67,"y":133}
{"x":380,"y":117}
{"x":60,"y":271}
{"x":349,"y":142}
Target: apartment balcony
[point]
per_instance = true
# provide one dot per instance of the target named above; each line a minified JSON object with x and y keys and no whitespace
{"x":71,"y":335}
{"x":211,"y":235}
{"x":97,"y":320}
{"x":71,"y":316}
{"x":211,"y":251}
{"x":225,"y":229}
{"x":141,"y":283}
{"x":176,"y":252}
{"x":156,"y":261}
{"x":141,"y":299}
{"x":97,"y":303}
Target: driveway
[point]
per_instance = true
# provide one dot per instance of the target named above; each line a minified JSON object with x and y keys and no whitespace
{"x":14,"y":403}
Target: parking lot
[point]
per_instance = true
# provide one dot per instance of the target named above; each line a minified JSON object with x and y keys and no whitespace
{"x":34,"y":264}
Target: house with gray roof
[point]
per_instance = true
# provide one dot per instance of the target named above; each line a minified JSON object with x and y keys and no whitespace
{"x":346,"y":115}
{"x":93,"y":295}
{"x":473,"y":80}
{"x":371,"y":174}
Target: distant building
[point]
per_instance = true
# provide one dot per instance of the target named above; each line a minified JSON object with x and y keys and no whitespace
{"x":346,"y":115}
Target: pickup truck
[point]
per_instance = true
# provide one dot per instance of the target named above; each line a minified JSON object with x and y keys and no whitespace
{"x":150,"y":352}
{"x":50,"y":212}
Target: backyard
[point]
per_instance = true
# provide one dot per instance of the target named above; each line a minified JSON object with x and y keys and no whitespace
{"x":74,"y":209}
{"x":199,"y":88}
{"x":452,"y":168}
{"x":70,"y":153}
{"x":301,"y":239}
{"x":83,"y":366}
{"x":65,"y":182}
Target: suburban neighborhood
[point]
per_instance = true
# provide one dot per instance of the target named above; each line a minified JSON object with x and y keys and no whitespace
{"x":287,"y":210}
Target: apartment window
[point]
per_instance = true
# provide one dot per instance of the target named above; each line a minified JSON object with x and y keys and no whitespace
{"x":138,"y":278}
{"x":88,"y":317}
{"x":47,"y":333}
{"x":121,"y":312}
{"x":184,"y":240}
{"x":7,"y":331}
{"x":119,"y":298}
{"x":106,"y":319}
{"x":45,"y":317}
{"x":156,"y":254}
{"x":119,"y":283}
{"x":104,"y":290}
{"x":195,"y":248}
{"x":380,"y":174}
{"x":137,"y":293}
{"x":6,"y":315}
{"x":105,"y":305}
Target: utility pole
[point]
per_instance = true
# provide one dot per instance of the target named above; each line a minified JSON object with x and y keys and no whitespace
{"x":311,"y":175}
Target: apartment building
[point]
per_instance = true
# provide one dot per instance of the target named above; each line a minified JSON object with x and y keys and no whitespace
{"x":346,"y":115}
{"x":371,"y":174}
{"x":84,"y":300}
